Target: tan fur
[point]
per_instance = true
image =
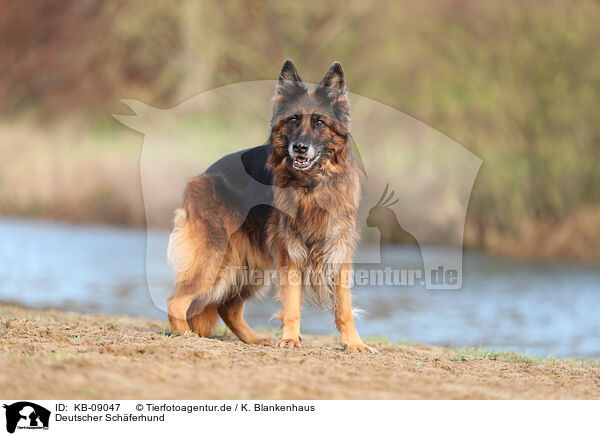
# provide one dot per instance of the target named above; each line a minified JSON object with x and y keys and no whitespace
{"x":344,"y":317}
{"x":291,"y":298}
{"x":203,"y":322}
{"x":232,"y":314}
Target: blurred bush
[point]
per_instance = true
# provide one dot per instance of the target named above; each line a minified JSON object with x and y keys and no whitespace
{"x":518,"y":83}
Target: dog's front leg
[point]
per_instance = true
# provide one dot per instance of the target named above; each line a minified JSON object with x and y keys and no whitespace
{"x":291,"y":297}
{"x":344,"y":319}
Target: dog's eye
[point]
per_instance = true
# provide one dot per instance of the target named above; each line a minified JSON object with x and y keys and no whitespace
{"x":319,"y":123}
{"x":293,"y":120}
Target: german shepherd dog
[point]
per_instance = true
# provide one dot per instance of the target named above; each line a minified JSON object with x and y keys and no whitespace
{"x":303,"y":224}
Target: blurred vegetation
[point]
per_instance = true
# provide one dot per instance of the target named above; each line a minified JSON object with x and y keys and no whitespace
{"x":517,"y":83}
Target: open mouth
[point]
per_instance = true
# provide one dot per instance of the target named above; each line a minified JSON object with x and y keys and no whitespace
{"x":303,"y":163}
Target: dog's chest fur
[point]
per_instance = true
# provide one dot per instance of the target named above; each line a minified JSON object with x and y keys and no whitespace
{"x":316,"y":226}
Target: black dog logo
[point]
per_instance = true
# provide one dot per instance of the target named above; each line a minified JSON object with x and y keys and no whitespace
{"x":24,"y":414}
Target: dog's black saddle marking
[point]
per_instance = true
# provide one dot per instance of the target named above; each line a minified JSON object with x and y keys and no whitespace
{"x":242,"y":178}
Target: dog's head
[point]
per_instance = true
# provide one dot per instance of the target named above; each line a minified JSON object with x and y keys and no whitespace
{"x":309,"y":128}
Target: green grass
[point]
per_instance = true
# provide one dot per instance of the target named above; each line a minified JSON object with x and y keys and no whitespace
{"x":271,"y":330}
{"x":378,"y":339}
{"x":469,"y":354}
{"x":6,"y":313}
{"x":87,"y":390}
{"x":166,"y":330}
{"x":382,"y":339}
{"x":221,"y":330}
{"x":56,"y":355}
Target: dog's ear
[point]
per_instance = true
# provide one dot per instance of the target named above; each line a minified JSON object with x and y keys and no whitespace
{"x":334,"y":81}
{"x":289,"y":72}
{"x":334,"y":88}
{"x":289,"y":79}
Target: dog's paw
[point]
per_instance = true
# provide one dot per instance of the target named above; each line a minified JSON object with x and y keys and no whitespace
{"x":289,"y":343}
{"x":361,"y":347}
{"x":262,"y":341}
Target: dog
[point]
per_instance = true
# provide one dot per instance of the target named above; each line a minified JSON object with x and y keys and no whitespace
{"x":302,"y":206}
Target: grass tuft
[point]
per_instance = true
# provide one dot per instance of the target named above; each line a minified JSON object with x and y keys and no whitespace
{"x":469,"y":354}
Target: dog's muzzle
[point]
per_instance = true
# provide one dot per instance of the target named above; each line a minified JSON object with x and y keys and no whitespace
{"x":303,"y":156}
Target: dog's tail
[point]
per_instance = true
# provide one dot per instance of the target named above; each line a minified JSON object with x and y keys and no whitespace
{"x":202,"y":319}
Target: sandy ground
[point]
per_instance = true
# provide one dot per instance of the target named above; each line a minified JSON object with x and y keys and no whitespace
{"x":53,"y":355}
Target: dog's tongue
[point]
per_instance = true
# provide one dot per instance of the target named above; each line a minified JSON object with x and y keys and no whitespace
{"x":301,"y":159}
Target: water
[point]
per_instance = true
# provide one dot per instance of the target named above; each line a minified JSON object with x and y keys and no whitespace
{"x":539,"y":308}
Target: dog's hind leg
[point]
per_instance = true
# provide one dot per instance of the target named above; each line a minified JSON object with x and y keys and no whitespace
{"x":188,"y":314}
{"x":202,"y":319}
{"x":232,"y":313}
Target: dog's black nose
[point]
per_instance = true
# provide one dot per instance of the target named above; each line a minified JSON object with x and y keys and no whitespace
{"x":299,"y":147}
